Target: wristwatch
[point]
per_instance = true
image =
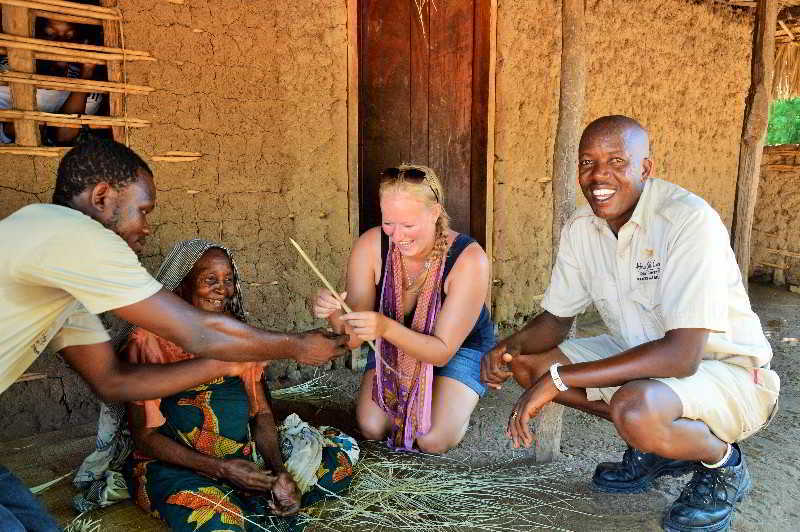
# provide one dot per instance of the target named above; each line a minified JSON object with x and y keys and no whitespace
{"x":556,"y":378}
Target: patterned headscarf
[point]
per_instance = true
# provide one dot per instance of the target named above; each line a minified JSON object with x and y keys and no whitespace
{"x":174,"y":269}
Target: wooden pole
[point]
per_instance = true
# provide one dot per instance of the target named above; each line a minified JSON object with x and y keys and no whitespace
{"x":16,"y":21}
{"x":754,"y":129}
{"x":565,"y":166}
{"x":112,"y":38}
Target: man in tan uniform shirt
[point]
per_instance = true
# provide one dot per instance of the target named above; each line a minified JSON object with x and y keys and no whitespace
{"x":65,"y":262}
{"x":684,"y":371}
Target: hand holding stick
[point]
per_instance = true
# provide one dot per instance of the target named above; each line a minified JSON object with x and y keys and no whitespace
{"x":327,"y":284}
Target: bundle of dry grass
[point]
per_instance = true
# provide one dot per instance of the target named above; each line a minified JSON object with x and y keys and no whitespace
{"x":84,"y":524}
{"x":786,"y":80}
{"x":316,"y":389}
{"x":403,"y":491}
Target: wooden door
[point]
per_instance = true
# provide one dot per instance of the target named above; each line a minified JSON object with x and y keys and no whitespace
{"x":423,"y":98}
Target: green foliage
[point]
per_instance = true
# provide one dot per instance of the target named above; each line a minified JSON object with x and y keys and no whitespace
{"x":784,"y":122}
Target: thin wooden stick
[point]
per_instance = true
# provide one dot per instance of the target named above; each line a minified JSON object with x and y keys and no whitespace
{"x":76,"y":46}
{"x":70,"y":54}
{"x":61,"y":57}
{"x":784,"y":253}
{"x":185,"y":153}
{"x":771,"y":265}
{"x":31,"y":377}
{"x":173,"y":158}
{"x":52,"y":15}
{"x":81,"y":85}
{"x":69,"y":8}
{"x":32,"y":150}
{"x":76,"y":119}
{"x":327,"y":284}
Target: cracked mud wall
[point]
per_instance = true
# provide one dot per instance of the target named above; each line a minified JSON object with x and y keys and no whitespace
{"x":260,"y":88}
{"x":776,"y":225}
{"x":681,"y":68}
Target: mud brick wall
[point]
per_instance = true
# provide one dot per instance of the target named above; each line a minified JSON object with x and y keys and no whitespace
{"x":777,"y":219}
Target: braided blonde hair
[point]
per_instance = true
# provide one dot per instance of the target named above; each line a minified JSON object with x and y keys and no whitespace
{"x":431,"y":192}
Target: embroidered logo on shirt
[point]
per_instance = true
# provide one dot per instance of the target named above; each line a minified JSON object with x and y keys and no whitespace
{"x":648,"y":269}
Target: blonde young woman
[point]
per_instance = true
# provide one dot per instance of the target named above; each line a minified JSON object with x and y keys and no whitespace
{"x":418,"y":289}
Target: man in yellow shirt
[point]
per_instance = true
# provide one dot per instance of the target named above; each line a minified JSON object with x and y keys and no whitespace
{"x":684,"y":371}
{"x":65,"y":262}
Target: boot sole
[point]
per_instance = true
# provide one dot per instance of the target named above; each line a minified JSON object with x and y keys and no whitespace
{"x":718,"y":527}
{"x":644,"y":484}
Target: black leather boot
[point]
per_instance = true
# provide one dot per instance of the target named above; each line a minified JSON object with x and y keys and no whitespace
{"x":707,"y":502}
{"x":636,"y":472}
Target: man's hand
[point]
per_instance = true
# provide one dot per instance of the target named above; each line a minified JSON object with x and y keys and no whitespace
{"x":285,"y":496}
{"x":247,"y":475}
{"x":528,"y":407}
{"x":494,"y":365}
{"x":319,"y":347}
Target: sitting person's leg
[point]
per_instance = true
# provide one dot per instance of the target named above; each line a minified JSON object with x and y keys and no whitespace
{"x":452,"y":406}
{"x":20,"y":510}
{"x":456,"y":391}
{"x":373,"y":422}
{"x":185,"y":500}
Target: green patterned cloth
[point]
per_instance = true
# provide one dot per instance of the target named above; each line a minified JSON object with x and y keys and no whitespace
{"x":213,"y":419}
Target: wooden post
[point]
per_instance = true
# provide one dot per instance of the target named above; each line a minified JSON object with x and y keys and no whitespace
{"x":112,"y":36}
{"x":565,"y":167}
{"x":756,"y":116}
{"x":16,"y":21}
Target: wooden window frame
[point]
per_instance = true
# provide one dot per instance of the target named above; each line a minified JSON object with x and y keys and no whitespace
{"x":23,"y":49}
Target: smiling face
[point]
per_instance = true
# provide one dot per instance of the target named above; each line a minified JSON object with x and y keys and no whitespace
{"x":210,"y":285}
{"x":613,"y":166}
{"x":409,"y":221}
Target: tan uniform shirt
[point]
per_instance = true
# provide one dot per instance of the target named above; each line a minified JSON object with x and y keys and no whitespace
{"x":671,"y":267}
{"x":59,"y":268}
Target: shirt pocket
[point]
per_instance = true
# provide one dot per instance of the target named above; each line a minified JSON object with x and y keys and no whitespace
{"x":649,"y":311}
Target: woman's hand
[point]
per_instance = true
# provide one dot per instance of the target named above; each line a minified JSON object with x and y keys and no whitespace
{"x":325,"y":303}
{"x":366,"y":325}
{"x":247,"y":475}
{"x":285,"y":496}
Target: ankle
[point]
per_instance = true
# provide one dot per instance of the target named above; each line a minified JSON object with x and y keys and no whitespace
{"x":732,"y":457}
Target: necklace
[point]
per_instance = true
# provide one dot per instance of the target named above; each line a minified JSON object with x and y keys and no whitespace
{"x":409,"y":283}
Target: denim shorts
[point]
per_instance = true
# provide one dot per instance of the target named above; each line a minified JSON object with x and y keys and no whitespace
{"x":465,"y":367}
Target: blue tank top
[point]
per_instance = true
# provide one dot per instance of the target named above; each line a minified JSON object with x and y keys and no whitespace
{"x":481,"y":337}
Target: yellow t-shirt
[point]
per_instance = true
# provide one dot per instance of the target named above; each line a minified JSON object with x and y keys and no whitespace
{"x":58,"y":269}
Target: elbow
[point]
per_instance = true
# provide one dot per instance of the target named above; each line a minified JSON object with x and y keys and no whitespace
{"x":688,"y":367}
{"x":111,"y":390}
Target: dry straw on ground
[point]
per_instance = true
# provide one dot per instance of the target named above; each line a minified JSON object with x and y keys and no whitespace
{"x":405,"y":491}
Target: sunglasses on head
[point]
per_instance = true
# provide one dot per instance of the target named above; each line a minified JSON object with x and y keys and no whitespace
{"x":413,"y":175}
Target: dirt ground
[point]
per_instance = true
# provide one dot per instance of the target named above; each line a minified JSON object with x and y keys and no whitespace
{"x":774,"y":503}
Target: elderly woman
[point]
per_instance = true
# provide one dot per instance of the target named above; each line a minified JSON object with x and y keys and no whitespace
{"x":419,"y":289}
{"x":198,"y":458}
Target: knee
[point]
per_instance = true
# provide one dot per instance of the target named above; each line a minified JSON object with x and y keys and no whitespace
{"x":636,"y":414}
{"x":434,"y":444}
{"x":370,"y":428}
